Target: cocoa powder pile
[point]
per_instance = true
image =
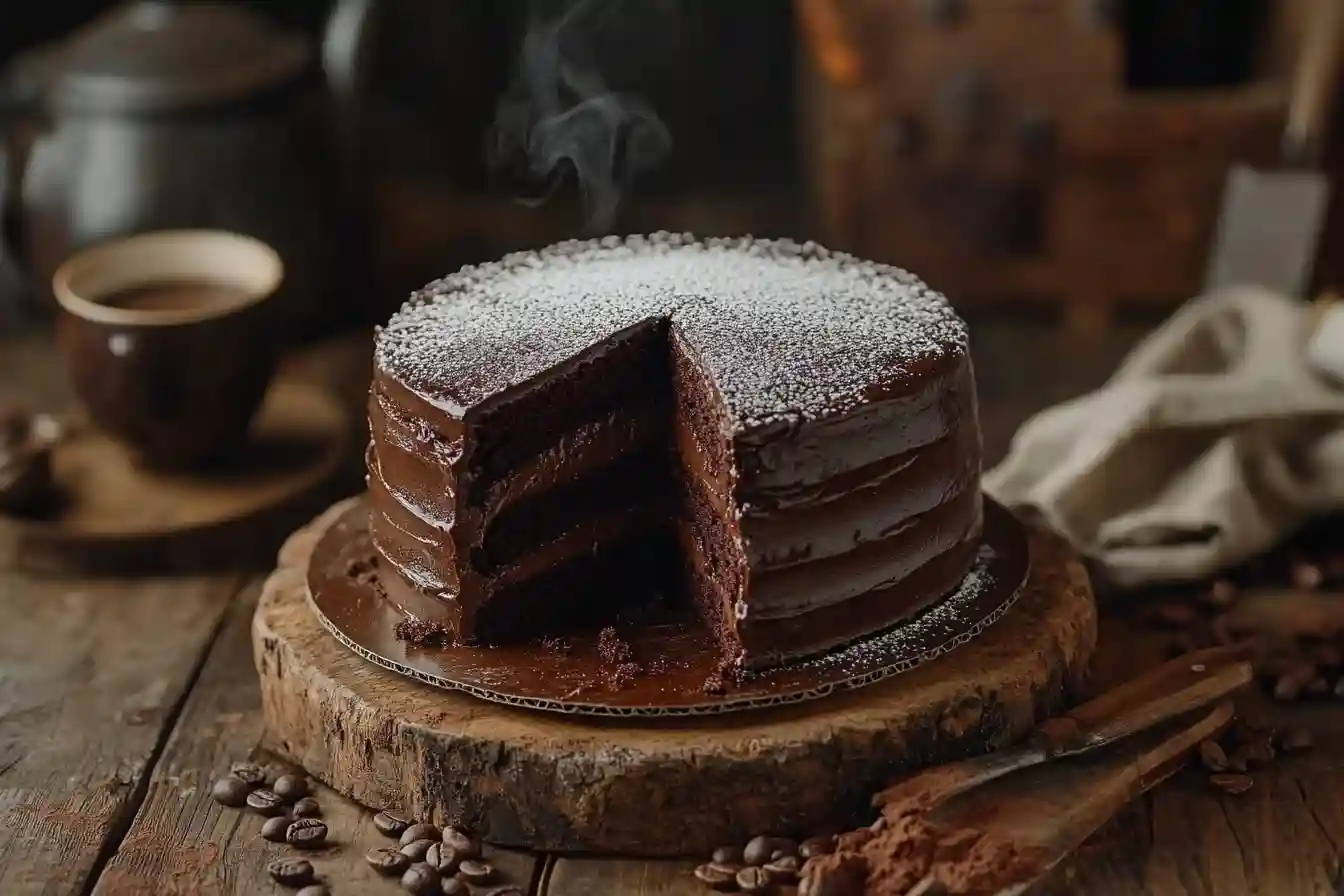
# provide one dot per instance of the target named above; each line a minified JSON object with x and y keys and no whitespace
{"x":900,"y":851}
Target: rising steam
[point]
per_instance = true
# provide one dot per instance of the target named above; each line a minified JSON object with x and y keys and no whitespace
{"x":560,"y":120}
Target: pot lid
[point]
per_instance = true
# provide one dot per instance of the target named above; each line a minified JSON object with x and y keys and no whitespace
{"x":155,"y":55}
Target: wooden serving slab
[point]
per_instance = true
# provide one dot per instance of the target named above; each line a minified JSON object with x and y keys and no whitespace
{"x":114,"y":517}
{"x":674,"y":654}
{"x":655,"y":786}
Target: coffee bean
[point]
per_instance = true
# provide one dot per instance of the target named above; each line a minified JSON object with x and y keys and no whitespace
{"x":291,"y":787}
{"x":758,"y":850}
{"x":1221,"y":594}
{"x":307,"y":808}
{"x":1295,"y":740}
{"x":727,"y":855}
{"x":1289,"y":685}
{"x":230,"y":791}
{"x":444,"y":858}
{"x":753,"y":880}
{"x":784,"y":869}
{"x":265,"y":802}
{"x":451,"y":886}
{"x":1307,"y":576}
{"x":421,"y":880}
{"x":462,"y":843}
{"x":274,"y":828}
{"x":1233,"y":784}
{"x":418,"y":849}
{"x":717,"y":877}
{"x":387,"y":861}
{"x":306,"y":833}
{"x":1213,"y":756}
{"x":314,"y":890}
{"x":390,"y":825}
{"x":421,"y":831}
{"x":291,"y":872}
{"x":474,"y":871}
{"x":251,"y":775}
{"x":816,"y":846}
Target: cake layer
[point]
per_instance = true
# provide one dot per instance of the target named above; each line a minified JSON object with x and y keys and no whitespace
{"x":792,"y":432}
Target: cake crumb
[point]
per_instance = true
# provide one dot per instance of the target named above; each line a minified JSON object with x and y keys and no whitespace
{"x":420,"y":633}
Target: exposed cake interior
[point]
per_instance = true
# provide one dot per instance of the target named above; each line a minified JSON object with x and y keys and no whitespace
{"x":599,"y":485}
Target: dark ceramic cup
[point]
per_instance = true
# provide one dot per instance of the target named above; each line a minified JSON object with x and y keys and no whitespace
{"x":169,"y":340}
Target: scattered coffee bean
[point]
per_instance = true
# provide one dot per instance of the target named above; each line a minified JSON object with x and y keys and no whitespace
{"x":816,"y":846}
{"x":727,"y":855}
{"x":1290,"y":685}
{"x":421,"y":831}
{"x":230,"y":791}
{"x":1233,"y":784}
{"x":462,"y":843}
{"x":421,"y":880}
{"x":758,"y":850}
{"x":251,"y":775}
{"x":265,"y":802}
{"x":451,"y":886}
{"x":306,"y":833}
{"x":291,"y":872}
{"x":307,"y":808}
{"x":416,"y":850}
{"x":1236,"y":762}
{"x":390,"y":825}
{"x":1307,"y":576}
{"x":1221,"y":594}
{"x":275,"y":827}
{"x":387,"y":861}
{"x":717,"y":877}
{"x":474,"y":871}
{"x":753,"y":880}
{"x":784,"y":870}
{"x":1213,"y":756}
{"x":443,"y":858}
{"x":291,"y":787}
{"x":314,"y":890}
{"x":1295,"y":740}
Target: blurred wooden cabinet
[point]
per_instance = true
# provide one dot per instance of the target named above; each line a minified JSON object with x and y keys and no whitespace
{"x":1005,"y":151}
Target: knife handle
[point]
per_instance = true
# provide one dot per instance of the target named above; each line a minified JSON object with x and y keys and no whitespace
{"x":1314,"y":85}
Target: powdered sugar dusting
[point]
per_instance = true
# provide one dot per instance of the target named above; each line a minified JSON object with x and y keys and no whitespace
{"x":787,"y":331}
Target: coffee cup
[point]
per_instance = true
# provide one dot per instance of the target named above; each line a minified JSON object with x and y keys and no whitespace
{"x":169,"y":341}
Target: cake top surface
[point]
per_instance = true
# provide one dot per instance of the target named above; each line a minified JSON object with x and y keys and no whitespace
{"x":788,"y":331}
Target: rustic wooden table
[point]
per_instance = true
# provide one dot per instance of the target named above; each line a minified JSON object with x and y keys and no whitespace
{"x":122,"y":700}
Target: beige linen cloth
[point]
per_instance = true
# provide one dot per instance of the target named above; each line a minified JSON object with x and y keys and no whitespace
{"x":1213,"y":441}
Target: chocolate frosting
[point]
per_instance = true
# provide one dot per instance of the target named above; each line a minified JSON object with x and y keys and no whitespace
{"x":841,"y":454}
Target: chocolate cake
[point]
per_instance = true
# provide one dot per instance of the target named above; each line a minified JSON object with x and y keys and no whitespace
{"x":784,"y":438}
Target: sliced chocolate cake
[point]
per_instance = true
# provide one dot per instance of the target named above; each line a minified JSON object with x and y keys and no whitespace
{"x":782,"y":436}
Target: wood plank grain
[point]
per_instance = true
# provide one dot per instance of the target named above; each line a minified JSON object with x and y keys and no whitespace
{"x":182,"y":841}
{"x":566,"y":876}
{"x":92,"y":676}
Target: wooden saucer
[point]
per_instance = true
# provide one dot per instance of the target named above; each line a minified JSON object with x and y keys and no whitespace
{"x":655,"y":785}
{"x":676,"y":653}
{"x":114,"y":517}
